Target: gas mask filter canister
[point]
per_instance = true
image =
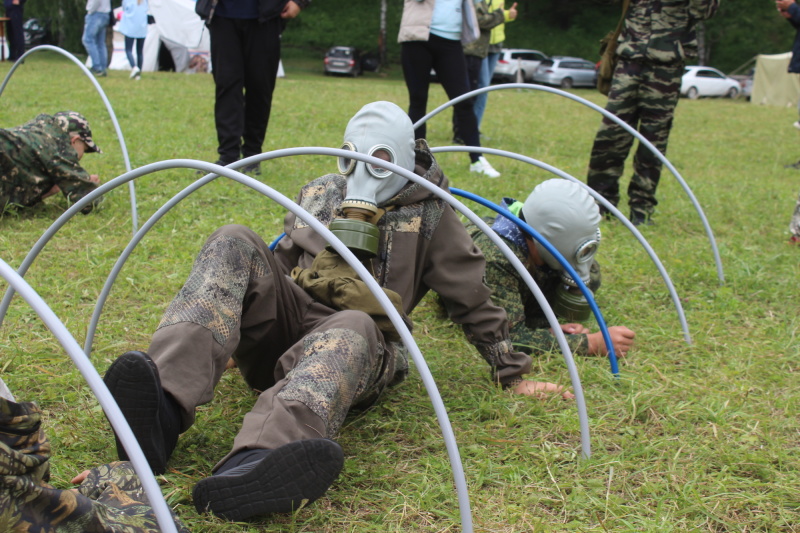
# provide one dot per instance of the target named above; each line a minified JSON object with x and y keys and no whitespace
{"x":382,"y":130}
{"x":568,"y":218}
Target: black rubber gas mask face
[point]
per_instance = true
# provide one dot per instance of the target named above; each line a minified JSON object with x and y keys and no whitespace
{"x":568,"y":218}
{"x":382,"y":130}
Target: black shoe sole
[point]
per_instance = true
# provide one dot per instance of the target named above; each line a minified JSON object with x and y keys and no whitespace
{"x":288,"y":479}
{"x":133,"y":382}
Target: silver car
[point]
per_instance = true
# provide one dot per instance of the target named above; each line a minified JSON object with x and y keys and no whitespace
{"x":566,"y":72}
{"x":515,"y":61}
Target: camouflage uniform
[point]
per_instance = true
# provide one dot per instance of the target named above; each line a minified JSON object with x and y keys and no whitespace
{"x":657,"y":39}
{"x":528,"y":327}
{"x":38,"y":155}
{"x":313,"y":362}
{"x":111,"y":498}
{"x":794,"y":225}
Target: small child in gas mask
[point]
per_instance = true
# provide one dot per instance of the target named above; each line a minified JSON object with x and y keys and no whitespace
{"x":568,"y":218}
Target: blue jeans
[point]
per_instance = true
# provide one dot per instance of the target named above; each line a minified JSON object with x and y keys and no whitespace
{"x":94,"y":40}
{"x":484,"y":80}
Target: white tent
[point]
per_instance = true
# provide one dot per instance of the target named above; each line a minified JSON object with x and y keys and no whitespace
{"x":179,"y":28}
{"x":772,"y":84}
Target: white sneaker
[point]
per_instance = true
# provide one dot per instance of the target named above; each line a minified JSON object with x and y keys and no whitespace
{"x":482,"y":166}
{"x":135,"y":72}
{"x":797,"y":124}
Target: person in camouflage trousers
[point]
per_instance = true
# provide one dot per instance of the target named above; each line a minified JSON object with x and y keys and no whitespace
{"x":570,"y":210}
{"x":110,"y":497}
{"x":304,"y":331}
{"x":657,"y":39}
{"x":42,"y":157}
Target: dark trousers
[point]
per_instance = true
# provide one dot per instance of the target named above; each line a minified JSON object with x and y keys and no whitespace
{"x":14,"y":33}
{"x":245,"y":55}
{"x":129,"y":41}
{"x":447,"y":58}
{"x":473,"y":73}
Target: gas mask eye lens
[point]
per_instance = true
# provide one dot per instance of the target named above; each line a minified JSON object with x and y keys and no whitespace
{"x":586,"y":251}
{"x":346,"y":164}
{"x":384,"y":152}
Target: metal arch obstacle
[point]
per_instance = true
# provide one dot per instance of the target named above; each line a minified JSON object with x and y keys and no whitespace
{"x":612,"y":117}
{"x":110,"y":407}
{"x":215,"y":170}
{"x":395,"y":318}
{"x":612,"y":356}
{"x":123,"y":147}
{"x":605,"y":203}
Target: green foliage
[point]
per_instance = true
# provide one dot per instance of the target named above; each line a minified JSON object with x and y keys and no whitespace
{"x":692,"y":437}
{"x":65,"y":19}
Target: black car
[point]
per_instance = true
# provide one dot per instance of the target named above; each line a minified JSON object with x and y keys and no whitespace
{"x":343,"y":60}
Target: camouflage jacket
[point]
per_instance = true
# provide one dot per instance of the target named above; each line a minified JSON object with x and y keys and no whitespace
{"x":486,"y":21}
{"x":36,"y":156}
{"x":528,"y":326}
{"x":422,"y":247}
{"x":663,"y":31}
{"x":111,"y":498}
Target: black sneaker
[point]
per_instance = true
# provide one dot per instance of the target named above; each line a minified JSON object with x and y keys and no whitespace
{"x":219,"y":162}
{"x":154,"y":417}
{"x":638,"y":218}
{"x":282,"y":480}
{"x":253,"y":168}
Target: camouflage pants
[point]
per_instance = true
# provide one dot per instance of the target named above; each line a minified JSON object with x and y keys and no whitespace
{"x":311,"y":362}
{"x":643,"y":95}
{"x":111,"y":498}
{"x":794,"y":225}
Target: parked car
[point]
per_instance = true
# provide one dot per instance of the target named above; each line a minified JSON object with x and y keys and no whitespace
{"x":516,"y":59}
{"x":343,"y":60}
{"x":745,"y":82}
{"x":706,"y":81}
{"x":566,"y":72}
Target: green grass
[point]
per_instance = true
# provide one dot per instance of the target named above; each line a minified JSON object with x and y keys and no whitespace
{"x":699,"y":437}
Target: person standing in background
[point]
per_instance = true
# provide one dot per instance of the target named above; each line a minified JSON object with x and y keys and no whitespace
{"x":134,"y":27}
{"x":432,"y":33}
{"x":245,"y":54}
{"x":14,"y":33}
{"x":656,"y":40}
{"x":98,"y":13}
{"x":496,"y":41}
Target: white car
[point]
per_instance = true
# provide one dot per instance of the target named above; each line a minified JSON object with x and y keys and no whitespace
{"x":517,"y":61}
{"x":706,"y":81}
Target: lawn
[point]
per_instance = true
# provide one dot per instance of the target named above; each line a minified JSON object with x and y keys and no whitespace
{"x":691,"y":437}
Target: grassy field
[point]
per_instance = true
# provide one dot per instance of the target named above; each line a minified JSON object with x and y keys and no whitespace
{"x":692,"y":437}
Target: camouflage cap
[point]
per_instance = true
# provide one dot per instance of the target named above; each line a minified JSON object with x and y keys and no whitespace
{"x":72,"y":121}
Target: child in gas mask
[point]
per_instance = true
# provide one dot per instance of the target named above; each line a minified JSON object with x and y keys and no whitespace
{"x":568,"y":218}
{"x":312,"y":359}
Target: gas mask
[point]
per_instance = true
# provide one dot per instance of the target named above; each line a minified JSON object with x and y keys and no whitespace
{"x":382,"y":130}
{"x":568,"y":218}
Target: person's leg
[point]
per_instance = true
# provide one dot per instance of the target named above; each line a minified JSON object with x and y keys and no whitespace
{"x":94,"y":39}
{"x":227,"y":56}
{"x":14,"y":32}
{"x":139,"y":53}
{"x":231,"y":287}
{"x":417,"y":61}
{"x":794,"y":224}
{"x":473,"y":73}
{"x":262,"y":54}
{"x":487,"y":71}
{"x":612,"y":143}
{"x":658,"y":95}
{"x":451,"y":66}
{"x":284,"y":454}
{"x":129,"y":50}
